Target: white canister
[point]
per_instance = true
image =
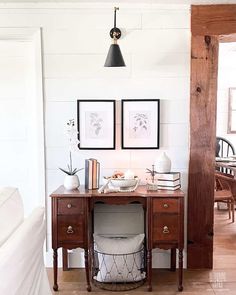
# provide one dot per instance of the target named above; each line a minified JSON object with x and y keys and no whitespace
{"x":71,"y":182}
{"x":163,"y":163}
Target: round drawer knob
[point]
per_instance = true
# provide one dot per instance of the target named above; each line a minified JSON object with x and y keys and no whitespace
{"x":69,"y":206}
{"x":166,"y":230}
{"x":166,"y":206}
{"x":70,"y":230}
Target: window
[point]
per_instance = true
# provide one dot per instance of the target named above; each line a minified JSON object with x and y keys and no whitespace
{"x":232,"y":111}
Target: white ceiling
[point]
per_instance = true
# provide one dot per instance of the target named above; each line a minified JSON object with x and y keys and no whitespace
{"x":128,"y":1}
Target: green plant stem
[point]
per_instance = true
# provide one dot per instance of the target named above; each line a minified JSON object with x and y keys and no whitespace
{"x":70,"y":163}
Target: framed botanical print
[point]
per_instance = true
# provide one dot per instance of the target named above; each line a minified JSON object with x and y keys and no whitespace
{"x":140,"y":123}
{"x":96,"y":124}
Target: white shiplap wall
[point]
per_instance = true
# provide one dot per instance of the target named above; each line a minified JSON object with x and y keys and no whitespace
{"x":14,"y":120}
{"x":156,"y":49}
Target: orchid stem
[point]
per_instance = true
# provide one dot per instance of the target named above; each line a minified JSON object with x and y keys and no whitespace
{"x":70,"y":162}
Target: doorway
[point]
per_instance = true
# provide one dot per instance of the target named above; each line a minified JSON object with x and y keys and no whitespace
{"x":21,"y":115}
{"x":224,"y":251}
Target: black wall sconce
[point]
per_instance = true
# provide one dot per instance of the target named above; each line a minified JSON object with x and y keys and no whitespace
{"x":114,"y":56}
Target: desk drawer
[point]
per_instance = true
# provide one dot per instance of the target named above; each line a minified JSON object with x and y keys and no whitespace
{"x":70,"y":206}
{"x":70,"y":228}
{"x":165,"y":227}
{"x":165,"y":205}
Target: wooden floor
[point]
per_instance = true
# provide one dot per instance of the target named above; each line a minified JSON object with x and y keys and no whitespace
{"x":220,"y":280}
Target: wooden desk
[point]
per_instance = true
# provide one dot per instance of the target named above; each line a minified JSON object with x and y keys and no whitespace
{"x":72,"y":215}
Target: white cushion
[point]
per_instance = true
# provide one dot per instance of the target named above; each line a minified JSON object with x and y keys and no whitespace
{"x":22,"y":270}
{"x":11,"y":212}
{"x":124,"y":262}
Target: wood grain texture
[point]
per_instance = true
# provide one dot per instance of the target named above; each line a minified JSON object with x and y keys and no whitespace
{"x":204,"y":61}
{"x":213,"y":19}
{"x":71,"y":207}
{"x":166,"y":206}
{"x":141,"y":191}
{"x":165,"y":228}
{"x":209,"y":25}
{"x":164,"y":232}
{"x":70,"y":229}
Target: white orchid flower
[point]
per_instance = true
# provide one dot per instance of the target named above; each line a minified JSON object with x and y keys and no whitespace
{"x":72,"y":136}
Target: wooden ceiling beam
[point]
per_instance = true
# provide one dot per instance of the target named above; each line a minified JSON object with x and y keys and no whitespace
{"x":213,"y":19}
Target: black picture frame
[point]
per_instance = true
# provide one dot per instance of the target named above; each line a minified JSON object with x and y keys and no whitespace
{"x":96,"y":124}
{"x":140,"y":123}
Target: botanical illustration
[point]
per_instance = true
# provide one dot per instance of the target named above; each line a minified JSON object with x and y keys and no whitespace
{"x":139,"y":123}
{"x":95,"y":124}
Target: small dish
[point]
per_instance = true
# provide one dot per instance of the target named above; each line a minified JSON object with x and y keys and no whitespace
{"x":123,"y":183}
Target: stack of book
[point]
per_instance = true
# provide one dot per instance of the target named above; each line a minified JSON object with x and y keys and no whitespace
{"x":92,"y":173}
{"x":168,"y":181}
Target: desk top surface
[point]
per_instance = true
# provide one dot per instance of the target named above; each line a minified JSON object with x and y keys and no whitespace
{"x":141,"y":191}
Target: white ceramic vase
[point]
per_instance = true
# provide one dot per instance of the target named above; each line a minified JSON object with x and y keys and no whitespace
{"x":163,"y":163}
{"x":71,"y":182}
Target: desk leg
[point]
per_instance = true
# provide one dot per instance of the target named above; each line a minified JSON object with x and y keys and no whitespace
{"x":180,"y":288}
{"x":149,"y":269}
{"x":55,"y":285}
{"x":64,"y":259}
{"x":87,"y":267}
{"x":173,"y":259}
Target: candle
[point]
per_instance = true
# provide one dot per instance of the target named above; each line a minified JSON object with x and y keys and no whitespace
{"x":129,"y":174}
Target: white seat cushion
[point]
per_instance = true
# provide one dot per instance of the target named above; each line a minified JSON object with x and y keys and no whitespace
{"x":11,"y":212}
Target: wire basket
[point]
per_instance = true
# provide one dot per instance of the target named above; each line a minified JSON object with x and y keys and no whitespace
{"x":119,"y":272}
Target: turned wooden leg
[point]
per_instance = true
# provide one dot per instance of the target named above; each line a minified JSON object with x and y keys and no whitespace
{"x":173,"y":259}
{"x":180,"y":288}
{"x":232,"y":208}
{"x":229,"y":209}
{"x":87,"y":267}
{"x":64,"y":259}
{"x":55,"y":286}
{"x":149,"y":269}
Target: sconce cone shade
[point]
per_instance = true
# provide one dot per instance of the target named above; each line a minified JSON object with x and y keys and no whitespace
{"x":114,"y":57}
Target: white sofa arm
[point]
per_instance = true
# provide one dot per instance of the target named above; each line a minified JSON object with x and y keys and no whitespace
{"x":22,"y":270}
{"x":11,"y":212}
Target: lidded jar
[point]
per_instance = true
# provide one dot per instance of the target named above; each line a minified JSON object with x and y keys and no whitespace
{"x":163,"y":163}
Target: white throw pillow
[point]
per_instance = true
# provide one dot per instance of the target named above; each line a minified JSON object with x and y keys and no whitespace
{"x":11,"y":212}
{"x":119,"y":259}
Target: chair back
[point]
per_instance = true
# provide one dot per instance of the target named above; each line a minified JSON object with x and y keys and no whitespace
{"x":223,"y":181}
{"x":224,"y":148}
{"x":223,"y":178}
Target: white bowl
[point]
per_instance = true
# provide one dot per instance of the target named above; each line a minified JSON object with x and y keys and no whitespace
{"x":122,"y":182}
